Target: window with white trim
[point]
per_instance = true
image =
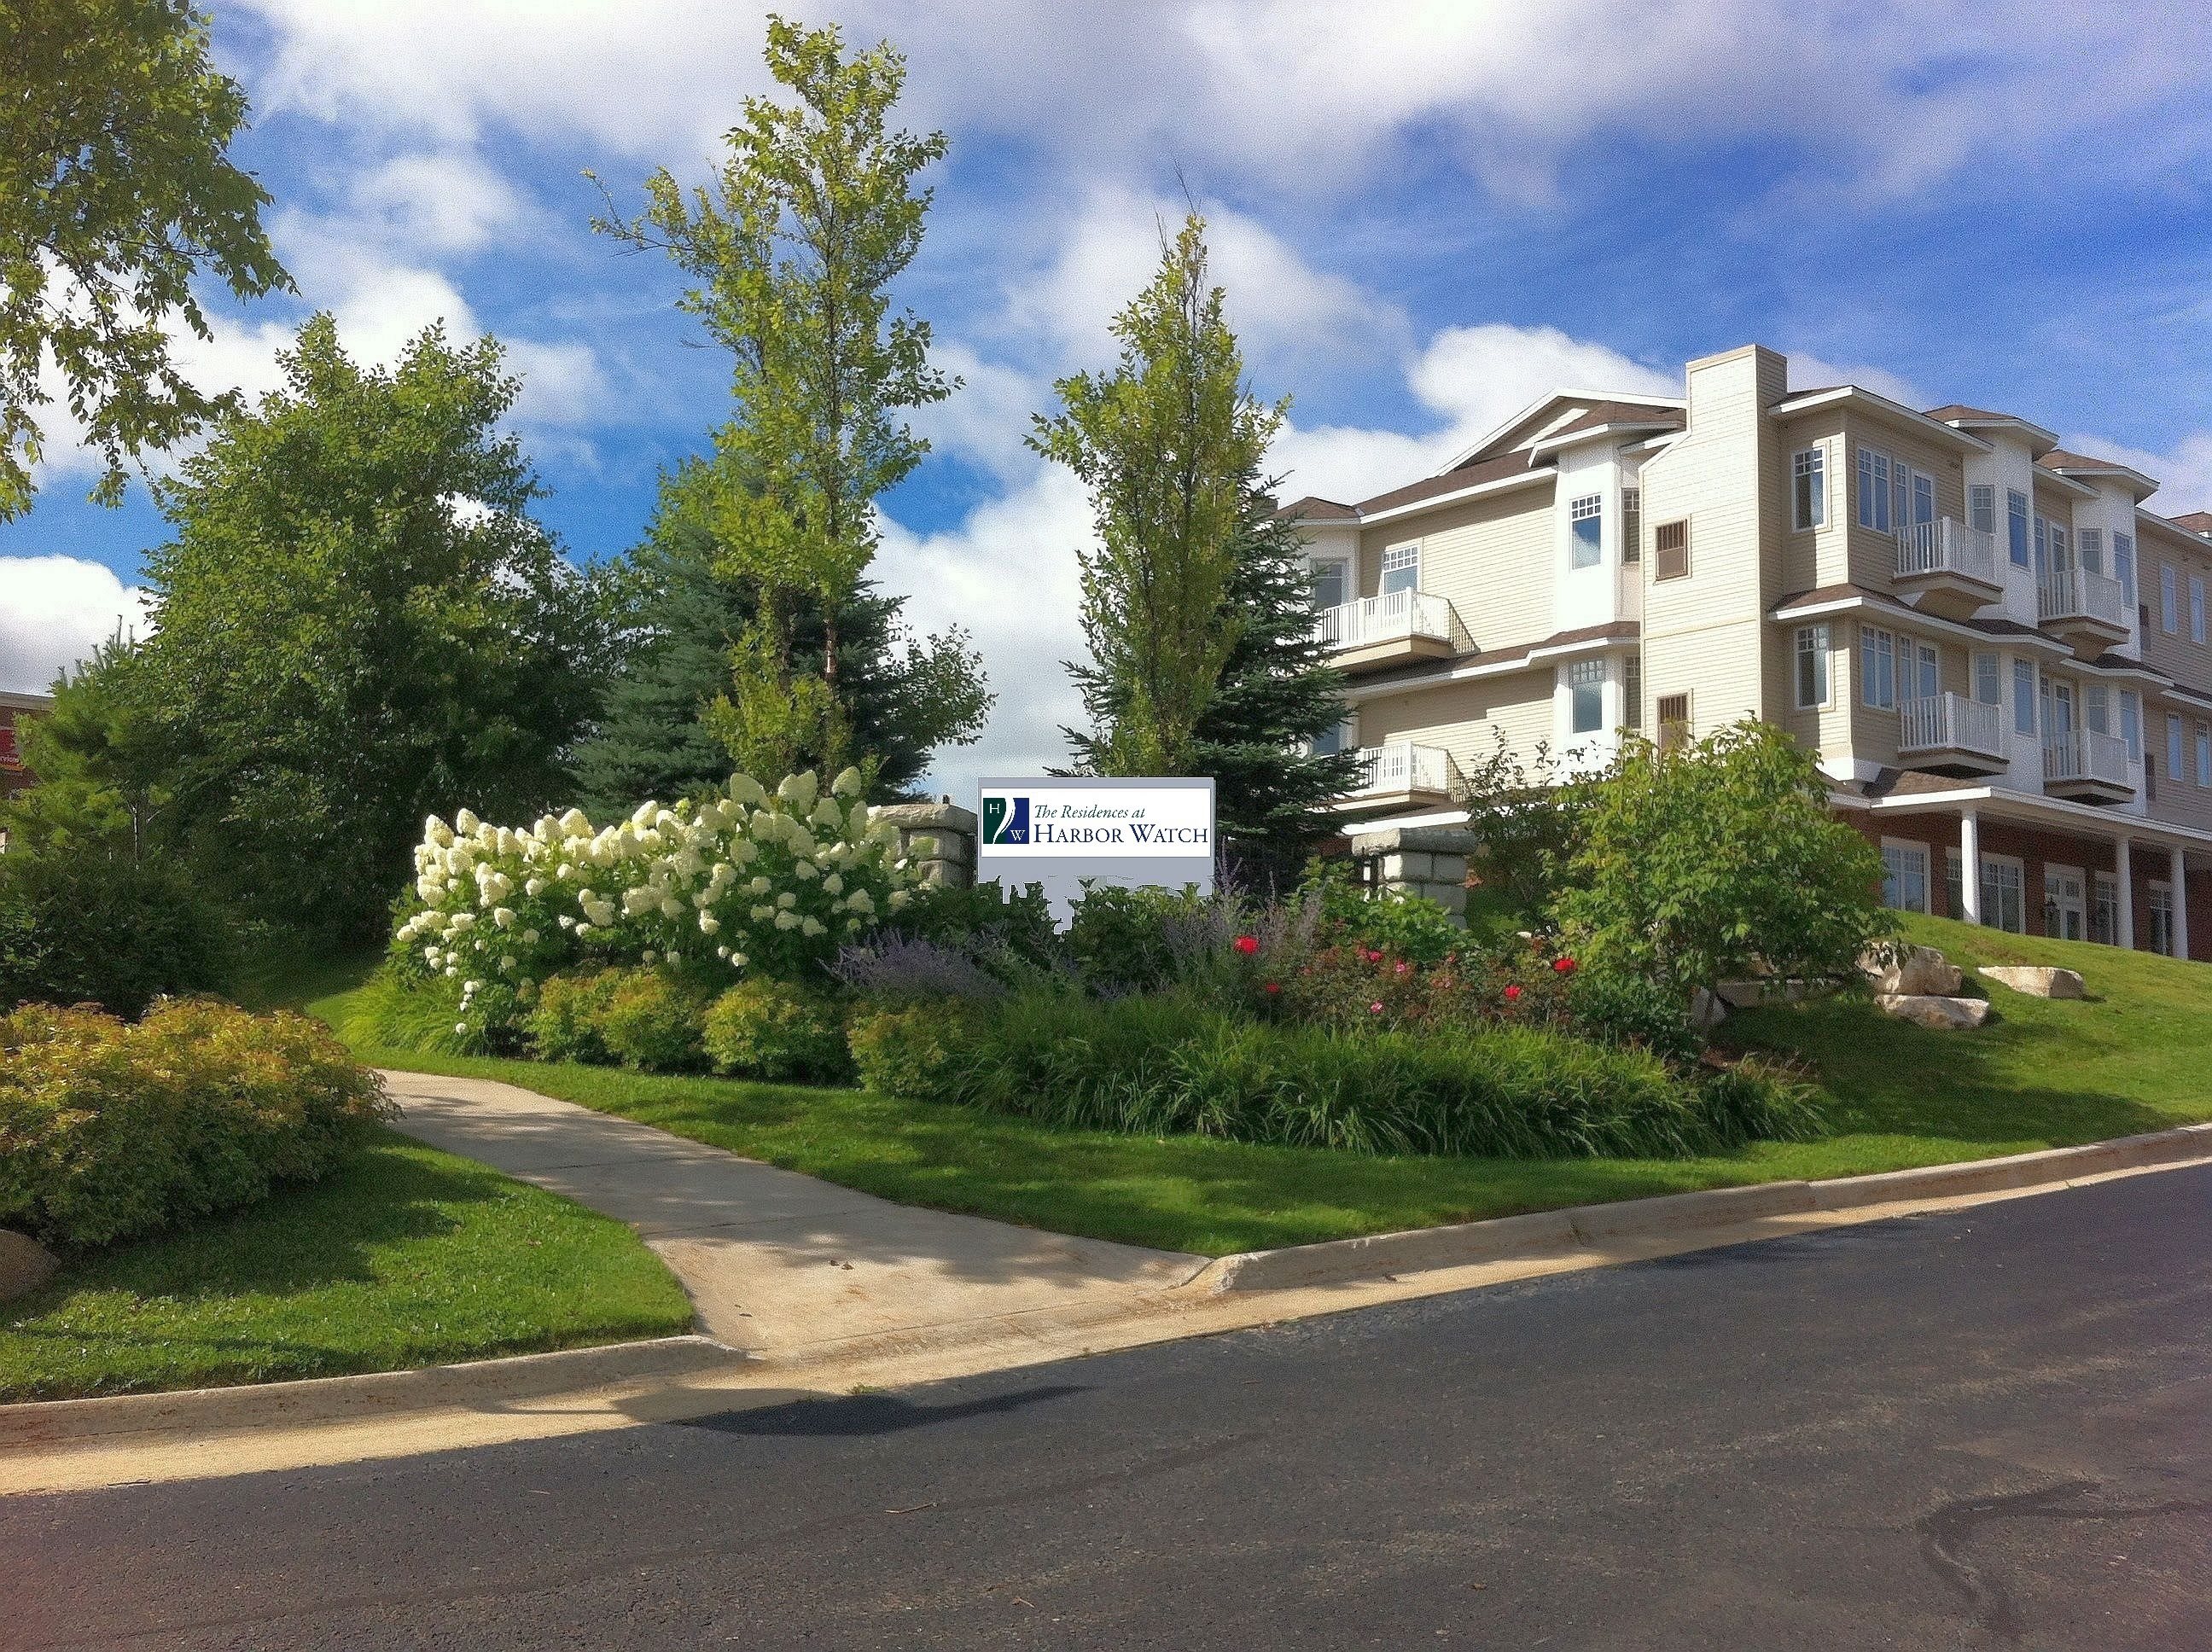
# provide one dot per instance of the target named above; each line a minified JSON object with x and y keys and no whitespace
{"x":1812,"y":667}
{"x":1989,"y":681}
{"x":2004,"y":894}
{"x":1808,"y":487}
{"x":1631,"y":690}
{"x":1877,"y":667}
{"x":2123,"y":564}
{"x":1401,"y":568}
{"x":2169,"y":605}
{"x":2104,"y":908}
{"x":1587,"y":514}
{"x":2016,"y":526}
{"x":2196,"y":609}
{"x":1632,"y":525}
{"x":1904,"y":875}
{"x":2204,"y":753}
{"x":2131,"y":722}
{"x":2096,"y":709}
{"x":2161,"y":917}
{"x":2023,"y":696}
{"x":1982,"y":507}
{"x":1874,"y":489}
{"x":2092,"y":545}
{"x":1330,"y":580}
{"x":1954,"y":894}
{"x":2173,"y":767}
{"x":1586,"y":686}
{"x":1670,"y":551}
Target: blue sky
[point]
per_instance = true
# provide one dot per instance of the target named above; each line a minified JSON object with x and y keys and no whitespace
{"x":1425,"y":214}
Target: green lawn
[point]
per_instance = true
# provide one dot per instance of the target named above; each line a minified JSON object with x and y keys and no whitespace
{"x":403,"y":1257}
{"x":2044,"y":1074}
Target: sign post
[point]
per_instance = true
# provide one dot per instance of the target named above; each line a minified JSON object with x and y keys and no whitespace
{"x":1063,"y":833}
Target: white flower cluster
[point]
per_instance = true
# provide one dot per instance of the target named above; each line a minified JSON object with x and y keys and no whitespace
{"x":752,"y":881}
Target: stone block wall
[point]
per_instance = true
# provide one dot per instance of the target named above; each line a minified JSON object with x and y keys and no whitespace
{"x":1424,"y":860}
{"x":939,"y":837}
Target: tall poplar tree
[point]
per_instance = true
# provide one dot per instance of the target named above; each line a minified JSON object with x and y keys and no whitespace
{"x":813,"y":215}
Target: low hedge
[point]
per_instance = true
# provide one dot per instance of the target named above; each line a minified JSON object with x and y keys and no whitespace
{"x":91,"y":928}
{"x":110,"y":1128}
{"x":1165,"y":1065}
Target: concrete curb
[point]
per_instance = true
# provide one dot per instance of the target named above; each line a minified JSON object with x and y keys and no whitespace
{"x":1634,"y":1221}
{"x":517,"y":1380}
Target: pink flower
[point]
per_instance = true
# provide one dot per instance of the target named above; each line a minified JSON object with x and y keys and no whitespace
{"x":1373,"y":958}
{"x":1248,"y":945}
{"x":1273,"y":988}
{"x":1512,"y":994}
{"x":1375,"y":1008}
{"x":1401,"y":968}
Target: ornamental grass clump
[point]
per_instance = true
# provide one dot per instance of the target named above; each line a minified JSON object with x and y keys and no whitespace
{"x":109,"y":1129}
{"x":751,"y":884}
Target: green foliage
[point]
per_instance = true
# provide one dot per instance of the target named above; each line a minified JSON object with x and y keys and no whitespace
{"x":909,"y":1052}
{"x":1168,"y":1065}
{"x":1527,"y":819}
{"x":1169,"y":444}
{"x":563,"y":1024}
{"x":990,"y":919}
{"x":1625,"y":1009}
{"x":1124,"y":940}
{"x":1278,"y":694}
{"x":772,"y":1030}
{"x":392,"y":1012}
{"x":1404,"y":926}
{"x":114,"y":125}
{"x":358,"y":623}
{"x":1719,"y":860}
{"x":812,"y":218}
{"x":652,"y":1021}
{"x":99,"y":927}
{"x":109,"y":1129}
{"x":100,"y":756}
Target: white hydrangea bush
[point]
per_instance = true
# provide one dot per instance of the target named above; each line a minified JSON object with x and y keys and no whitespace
{"x":749,"y":883}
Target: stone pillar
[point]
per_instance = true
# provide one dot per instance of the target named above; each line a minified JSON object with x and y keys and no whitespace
{"x":939,"y":837}
{"x":1969,"y":866}
{"x":2124,"y":872}
{"x":2180,"y":876}
{"x":1430,"y":861}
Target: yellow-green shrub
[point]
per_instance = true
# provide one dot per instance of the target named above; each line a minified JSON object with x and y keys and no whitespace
{"x":912,"y":1053}
{"x":651,"y":1021}
{"x":109,"y":1129}
{"x":563,"y":1025}
{"x":766,"y":1029}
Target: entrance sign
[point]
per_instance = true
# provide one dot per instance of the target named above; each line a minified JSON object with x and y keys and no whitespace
{"x":1063,"y":833}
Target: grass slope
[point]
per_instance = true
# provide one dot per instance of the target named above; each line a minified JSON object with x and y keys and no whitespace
{"x":2043,"y":1074}
{"x":403,"y":1257}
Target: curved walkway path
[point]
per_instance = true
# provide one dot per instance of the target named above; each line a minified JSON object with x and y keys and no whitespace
{"x":774,"y":1260}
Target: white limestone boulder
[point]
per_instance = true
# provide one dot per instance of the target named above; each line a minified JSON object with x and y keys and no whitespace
{"x":1935,"y":1010}
{"x":1913,"y":972}
{"x":2036,"y":980}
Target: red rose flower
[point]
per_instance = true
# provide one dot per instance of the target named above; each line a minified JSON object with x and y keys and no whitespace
{"x":1564,"y":966}
{"x":1375,"y":1008}
{"x":1401,"y":968}
{"x":1248,"y":945}
{"x":1512,"y":993}
{"x":1273,"y":988}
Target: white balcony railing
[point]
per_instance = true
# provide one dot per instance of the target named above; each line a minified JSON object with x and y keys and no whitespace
{"x":1402,"y":766}
{"x":2065,"y":593}
{"x":1947,"y":545}
{"x":1950,"y":722}
{"x":1394,"y":616}
{"x":2084,"y":755}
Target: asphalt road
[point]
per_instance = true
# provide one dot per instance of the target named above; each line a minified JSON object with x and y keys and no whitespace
{"x":1988,"y":1429}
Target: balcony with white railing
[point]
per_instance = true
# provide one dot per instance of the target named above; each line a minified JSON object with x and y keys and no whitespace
{"x":2081,"y":606}
{"x":1947,"y":567}
{"x":2087,"y":766}
{"x":1391,"y":629}
{"x":1950,"y":734}
{"x":1400,"y":772}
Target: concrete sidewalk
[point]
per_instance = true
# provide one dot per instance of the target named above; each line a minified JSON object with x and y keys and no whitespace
{"x":774,"y":1260}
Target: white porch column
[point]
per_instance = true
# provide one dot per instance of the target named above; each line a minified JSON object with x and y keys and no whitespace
{"x":2125,"y":872}
{"x":2180,"y":906}
{"x":1969,"y":865}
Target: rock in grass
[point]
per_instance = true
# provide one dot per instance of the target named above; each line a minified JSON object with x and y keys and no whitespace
{"x":1912,"y":972}
{"x":2036,"y":980}
{"x":24,"y":1264}
{"x":1934,"y":1011}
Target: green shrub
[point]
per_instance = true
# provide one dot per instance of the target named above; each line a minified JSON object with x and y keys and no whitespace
{"x":89,"y":927}
{"x":985,"y":920}
{"x":1761,"y":1099}
{"x":652,"y":1021}
{"x":767,"y":1029}
{"x":109,"y":1129}
{"x":1167,"y":1064}
{"x":1625,"y":1009}
{"x":1410,"y":926}
{"x":1125,"y":940}
{"x":563,"y":1024}
{"x":914,"y":1052}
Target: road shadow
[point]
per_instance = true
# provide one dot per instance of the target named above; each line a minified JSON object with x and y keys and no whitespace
{"x":864,"y":1415}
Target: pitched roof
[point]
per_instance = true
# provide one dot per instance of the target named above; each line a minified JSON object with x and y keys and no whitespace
{"x":1452,"y":481}
{"x":1314,"y":508}
{"x":2198,"y":522}
{"x":1605,"y":413}
{"x":1951,"y":410}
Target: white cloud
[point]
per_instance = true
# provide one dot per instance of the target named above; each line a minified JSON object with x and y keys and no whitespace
{"x":1812,"y":373}
{"x":54,"y":611}
{"x":2183,"y":476}
{"x":450,"y":202}
{"x":1008,"y":573}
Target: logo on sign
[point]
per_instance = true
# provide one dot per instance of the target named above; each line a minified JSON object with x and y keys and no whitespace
{"x":1005,"y":820}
